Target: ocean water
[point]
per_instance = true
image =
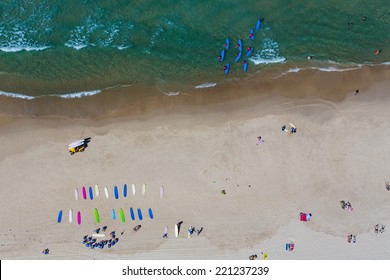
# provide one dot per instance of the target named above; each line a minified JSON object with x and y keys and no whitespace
{"x":75,"y":48}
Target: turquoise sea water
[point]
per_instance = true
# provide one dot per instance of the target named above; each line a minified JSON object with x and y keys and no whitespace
{"x":50,"y":47}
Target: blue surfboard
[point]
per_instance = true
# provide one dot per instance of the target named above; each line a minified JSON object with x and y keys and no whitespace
{"x":245,"y":65}
{"x":125,"y":190}
{"x":222,"y":55}
{"x":59,"y":218}
{"x":139,"y":214}
{"x":249,"y":52}
{"x":113,"y":216}
{"x":252,"y":34}
{"x":238,"y":56}
{"x":239,"y":45}
{"x":132,"y":213}
{"x":227,"y":68}
{"x":116,"y":192}
{"x":90,"y":193}
{"x":227,"y":43}
{"x":258,"y":25}
{"x":150,"y":213}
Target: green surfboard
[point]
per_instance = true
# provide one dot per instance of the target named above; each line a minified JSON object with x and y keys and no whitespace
{"x":97,"y":218}
{"x":122,"y":215}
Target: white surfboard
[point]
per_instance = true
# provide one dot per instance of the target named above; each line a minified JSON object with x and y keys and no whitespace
{"x":70,"y":215}
{"x":133,"y":188}
{"x":76,"y":194}
{"x":106,"y":192}
{"x":97,"y":191}
{"x":76,"y":144}
{"x":162,"y":191}
{"x":292,"y":125}
{"x":166,"y":231}
{"x":143,"y":189}
{"x":98,"y":235}
{"x":176,"y":230}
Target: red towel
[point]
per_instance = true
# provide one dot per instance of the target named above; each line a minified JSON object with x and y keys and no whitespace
{"x":303,"y":217}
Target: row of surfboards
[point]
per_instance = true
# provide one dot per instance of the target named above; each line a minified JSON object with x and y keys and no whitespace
{"x":249,"y":50}
{"x":107,"y":193}
{"x":113,"y":215}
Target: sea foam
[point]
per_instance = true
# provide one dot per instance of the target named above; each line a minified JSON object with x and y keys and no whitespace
{"x":206,"y":85}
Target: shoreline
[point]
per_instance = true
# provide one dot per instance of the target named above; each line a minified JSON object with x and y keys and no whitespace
{"x":196,"y":145}
{"x":135,"y":100}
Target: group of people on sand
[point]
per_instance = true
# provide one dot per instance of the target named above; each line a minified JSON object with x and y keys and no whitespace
{"x":46,"y":251}
{"x":351,"y":238}
{"x":292,"y":130}
{"x":192,"y":230}
{"x":379,"y":228}
{"x":92,"y":242}
{"x":346,"y":205}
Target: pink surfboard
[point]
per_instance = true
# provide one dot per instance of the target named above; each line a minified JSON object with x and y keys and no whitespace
{"x":78,"y":217}
{"x":84,"y":193}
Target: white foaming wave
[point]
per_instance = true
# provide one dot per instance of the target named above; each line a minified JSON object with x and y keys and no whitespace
{"x":22,"y":48}
{"x":16,"y":95}
{"x":79,"y":94}
{"x":268,"y":54}
{"x":171,"y":93}
{"x":386,"y":63}
{"x":206,"y":85}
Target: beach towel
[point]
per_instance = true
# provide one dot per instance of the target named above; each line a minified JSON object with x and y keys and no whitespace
{"x":291,"y":246}
{"x":303,"y":217}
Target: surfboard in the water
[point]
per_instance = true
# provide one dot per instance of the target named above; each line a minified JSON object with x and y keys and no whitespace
{"x":133,"y":188}
{"x":143,"y":189}
{"x":113,"y":216}
{"x":97,"y":190}
{"x":79,"y":217}
{"x":76,"y":194}
{"x":70,"y":215}
{"x":97,"y":218}
{"x":116,"y":194}
{"x":59,"y":218}
{"x":84,"y":193}
{"x":245,"y":66}
{"x":90,"y":193}
{"x":150,"y":213}
{"x":252,"y":34}
{"x":238,"y":56}
{"x":162,"y":191}
{"x":258,"y":25}
{"x":106,"y":192}
{"x":227,"y":67}
{"x":227,"y":43}
{"x":139,"y":214}
{"x":122,"y":215}
{"x":125,"y":190}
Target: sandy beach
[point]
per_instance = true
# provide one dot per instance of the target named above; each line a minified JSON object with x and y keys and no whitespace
{"x":196,"y":145}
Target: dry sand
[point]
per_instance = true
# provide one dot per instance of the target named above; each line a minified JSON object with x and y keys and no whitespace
{"x":340,"y":152}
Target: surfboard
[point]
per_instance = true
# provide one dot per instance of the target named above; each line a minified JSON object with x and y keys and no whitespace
{"x":245,"y":66}
{"x":239,"y":44}
{"x":227,"y":43}
{"x":113,"y":216}
{"x":166,"y":231}
{"x":84,"y":193}
{"x":125,"y":190}
{"x":150,"y":213}
{"x":292,"y":125}
{"x":139,"y":214}
{"x":116,"y":192}
{"x":222,"y":55}
{"x":249,"y":52}
{"x":176,"y":230}
{"x":97,"y":218}
{"x":143,"y":189}
{"x":238,"y":56}
{"x":70,"y":215}
{"x":97,"y":190}
{"x":258,"y":25}
{"x":106,"y":193}
{"x":76,"y":194}
{"x":98,"y":235}
{"x":227,"y":68}
{"x":90,"y":193}
{"x":59,"y":218}
{"x":252,"y":32}
{"x":79,"y":217}
{"x":133,"y":188}
{"x":122,"y":215}
{"x":162,"y":191}
{"x":132,"y":213}
{"x":76,"y":144}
